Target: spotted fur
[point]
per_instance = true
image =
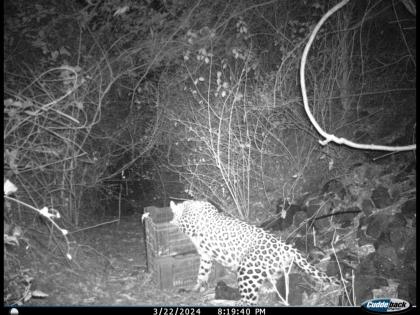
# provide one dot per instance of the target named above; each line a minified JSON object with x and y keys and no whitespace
{"x":255,"y":254}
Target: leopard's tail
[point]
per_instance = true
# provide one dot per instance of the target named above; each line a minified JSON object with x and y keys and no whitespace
{"x":314,"y":272}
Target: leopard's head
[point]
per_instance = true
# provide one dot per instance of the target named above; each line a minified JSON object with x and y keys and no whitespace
{"x":177,"y":211}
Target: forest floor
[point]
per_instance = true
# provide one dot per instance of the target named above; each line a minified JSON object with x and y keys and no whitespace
{"x":372,"y":222}
{"x":109,"y":268}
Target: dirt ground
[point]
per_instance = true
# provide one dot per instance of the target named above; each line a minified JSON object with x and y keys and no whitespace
{"x":375,"y":222}
{"x":109,"y":268}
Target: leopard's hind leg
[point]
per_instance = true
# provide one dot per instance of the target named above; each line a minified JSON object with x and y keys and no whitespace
{"x":251,"y":275}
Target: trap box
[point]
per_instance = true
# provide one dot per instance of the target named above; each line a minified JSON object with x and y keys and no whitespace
{"x":162,"y":238}
{"x":172,"y":258}
{"x":179,"y":271}
{"x":173,"y":272}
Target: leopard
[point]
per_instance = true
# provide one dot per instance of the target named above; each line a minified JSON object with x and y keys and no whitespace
{"x":255,"y":254}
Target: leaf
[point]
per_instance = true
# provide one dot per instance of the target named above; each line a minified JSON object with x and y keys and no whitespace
{"x":17,"y":104}
{"x":54,"y":55}
{"x":41,"y":33}
{"x":44,"y":212}
{"x":27,"y":297}
{"x":17,"y":231}
{"x":11,"y":112}
{"x":79,"y":105}
{"x":10,"y":240}
{"x":70,"y":69}
{"x":9,"y":187}
{"x":39,"y":294}
{"x":64,"y":51}
{"x":11,"y":102}
{"x":121,"y":10}
{"x":30,"y":113}
{"x":27,"y":103}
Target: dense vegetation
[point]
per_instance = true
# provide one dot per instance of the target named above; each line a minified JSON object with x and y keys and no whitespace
{"x":110,"y":106}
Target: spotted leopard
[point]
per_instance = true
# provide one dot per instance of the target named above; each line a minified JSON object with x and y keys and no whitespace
{"x":252,"y":252}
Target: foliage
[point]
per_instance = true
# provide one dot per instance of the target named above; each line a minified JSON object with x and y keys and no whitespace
{"x":237,"y":131}
{"x":204,"y":93}
{"x":233,"y":140}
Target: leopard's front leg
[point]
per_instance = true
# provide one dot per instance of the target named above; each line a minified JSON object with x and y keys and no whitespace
{"x":203,"y":273}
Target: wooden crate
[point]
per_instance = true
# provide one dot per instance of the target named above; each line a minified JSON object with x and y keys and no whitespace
{"x":181,"y":271}
{"x":175,"y":271}
{"x":171,"y":256}
{"x":162,"y":238}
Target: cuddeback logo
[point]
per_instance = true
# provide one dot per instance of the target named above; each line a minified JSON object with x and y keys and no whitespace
{"x":386,"y":305}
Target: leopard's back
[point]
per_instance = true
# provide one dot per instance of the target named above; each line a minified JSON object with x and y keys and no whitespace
{"x":223,"y":238}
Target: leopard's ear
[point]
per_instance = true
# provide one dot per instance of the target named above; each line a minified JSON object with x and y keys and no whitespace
{"x":172,"y":204}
